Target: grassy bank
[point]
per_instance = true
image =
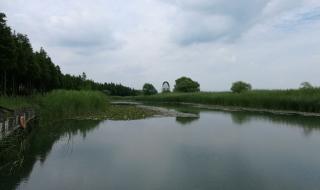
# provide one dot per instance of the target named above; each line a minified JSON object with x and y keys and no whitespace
{"x":61,"y":104}
{"x":69,"y":104}
{"x":293,"y":100}
{"x":56,"y":107}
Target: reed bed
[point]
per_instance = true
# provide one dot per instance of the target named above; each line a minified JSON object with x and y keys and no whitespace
{"x":307,"y":100}
{"x":62,"y":104}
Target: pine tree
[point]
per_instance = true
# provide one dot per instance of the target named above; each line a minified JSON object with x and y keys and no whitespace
{"x":7,"y":51}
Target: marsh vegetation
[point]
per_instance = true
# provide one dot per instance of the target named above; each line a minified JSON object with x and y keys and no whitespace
{"x":304,"y":100}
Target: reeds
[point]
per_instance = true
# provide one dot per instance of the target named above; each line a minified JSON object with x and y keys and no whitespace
{"x":307,"y":100}
{"x":60,"y":104}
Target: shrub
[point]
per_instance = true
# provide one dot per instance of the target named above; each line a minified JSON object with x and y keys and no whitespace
{"x":238,"y":87}
{"x":185,"y":84}
{"x":305,"y":85}
{"x":149,"y":89}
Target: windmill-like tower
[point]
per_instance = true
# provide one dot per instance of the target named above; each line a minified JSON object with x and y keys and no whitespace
{"x":165,"y":86}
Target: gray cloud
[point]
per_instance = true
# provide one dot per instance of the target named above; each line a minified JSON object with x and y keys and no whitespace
{"x":215,"y":20}
{"x":269,"y":43}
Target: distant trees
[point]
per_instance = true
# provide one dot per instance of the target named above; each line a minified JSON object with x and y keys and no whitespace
{"x":149,"y":89}
{"x":117,"y":89}
{"x":185,"y":84}
{"x":24,"y":71}
{"x":306,"y":85}
{"x":238,"y":87}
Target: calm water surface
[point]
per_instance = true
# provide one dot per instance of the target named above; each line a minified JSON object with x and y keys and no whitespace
{"x":219,"y":150}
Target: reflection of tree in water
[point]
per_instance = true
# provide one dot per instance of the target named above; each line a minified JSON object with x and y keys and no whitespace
{"x":38,"y":145}
{"x":186,"y":120}
{"x":240,"y":117}
{"x":308,"y":124}
{"x":177,"y":107}
{"x":188,"y":110}
{"x":184,"y":109}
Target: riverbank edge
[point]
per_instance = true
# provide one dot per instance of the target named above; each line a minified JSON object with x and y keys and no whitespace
{"x":257,"y":110}
{"x":231,"y":108}
{"x":296,"y":100}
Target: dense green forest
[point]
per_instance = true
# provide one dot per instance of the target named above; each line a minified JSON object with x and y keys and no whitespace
{"x":25,"y":71}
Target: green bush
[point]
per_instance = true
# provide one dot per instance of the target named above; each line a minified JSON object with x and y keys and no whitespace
{"x":238,"y":87}
{"x":149,"y":89}
{"x":305,"y":86}
{"x":185,"y":84}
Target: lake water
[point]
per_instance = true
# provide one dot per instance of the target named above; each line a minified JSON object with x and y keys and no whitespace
{"x":218,"y":150}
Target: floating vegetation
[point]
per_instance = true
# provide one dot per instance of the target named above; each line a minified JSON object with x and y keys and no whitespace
{"x":120,"y":112}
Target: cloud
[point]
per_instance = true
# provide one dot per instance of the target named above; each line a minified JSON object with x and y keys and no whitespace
{"x":214,"y":20}
{"x":83,"y":34}
{"x":296,"y":20}
{"x":198,"y":28}
{"x":77,"y":25}
{"x":269,"y":43}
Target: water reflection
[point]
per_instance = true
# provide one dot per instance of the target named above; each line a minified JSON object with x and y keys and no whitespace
{"x":184,"y":109}
{"x":186,"y":120}
{"x":38,"y":146}
{"x":240,"y":118}
{"x":308,"y":124}
{"x":213,"y":153}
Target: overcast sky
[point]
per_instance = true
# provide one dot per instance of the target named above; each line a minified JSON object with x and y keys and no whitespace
{"x":268,"y":43}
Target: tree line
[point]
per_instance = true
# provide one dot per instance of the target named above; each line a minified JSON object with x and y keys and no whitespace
{"x":183,"y":84}
{"x":25,"y":71}
{"x":186,"y":85}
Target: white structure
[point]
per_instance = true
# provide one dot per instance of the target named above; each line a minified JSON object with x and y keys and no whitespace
{"x":165,"y":86}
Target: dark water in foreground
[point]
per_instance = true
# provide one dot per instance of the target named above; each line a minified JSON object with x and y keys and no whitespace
{"x":220,"y":150}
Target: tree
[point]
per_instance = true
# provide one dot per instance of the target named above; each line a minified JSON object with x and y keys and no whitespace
{"x":7,"y":51}
{"x":44,"y":61}
{"x":305,"y":85}
{"x":24,"y":71}
{"x":24,"y":61}
{"x":149,"y":89}
{"x":84,"y":76}
{"x":238,"y":87}
{"x":185,"y":84}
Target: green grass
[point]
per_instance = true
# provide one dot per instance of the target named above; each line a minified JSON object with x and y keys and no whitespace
{"x":60,"y":104}
{"x":70,"y":104}
{"x":293,"y":100}
{"x":15,"y":102}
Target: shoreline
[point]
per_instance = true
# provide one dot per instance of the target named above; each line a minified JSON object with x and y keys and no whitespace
{"x":224,"y":108}
{"x":159,"y":111}
{"x":257,"y":110}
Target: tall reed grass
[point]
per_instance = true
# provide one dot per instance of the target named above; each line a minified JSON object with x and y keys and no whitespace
{"x":307,"y":100}
{"x":61,"y":104}
{"x":51,"y":107}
